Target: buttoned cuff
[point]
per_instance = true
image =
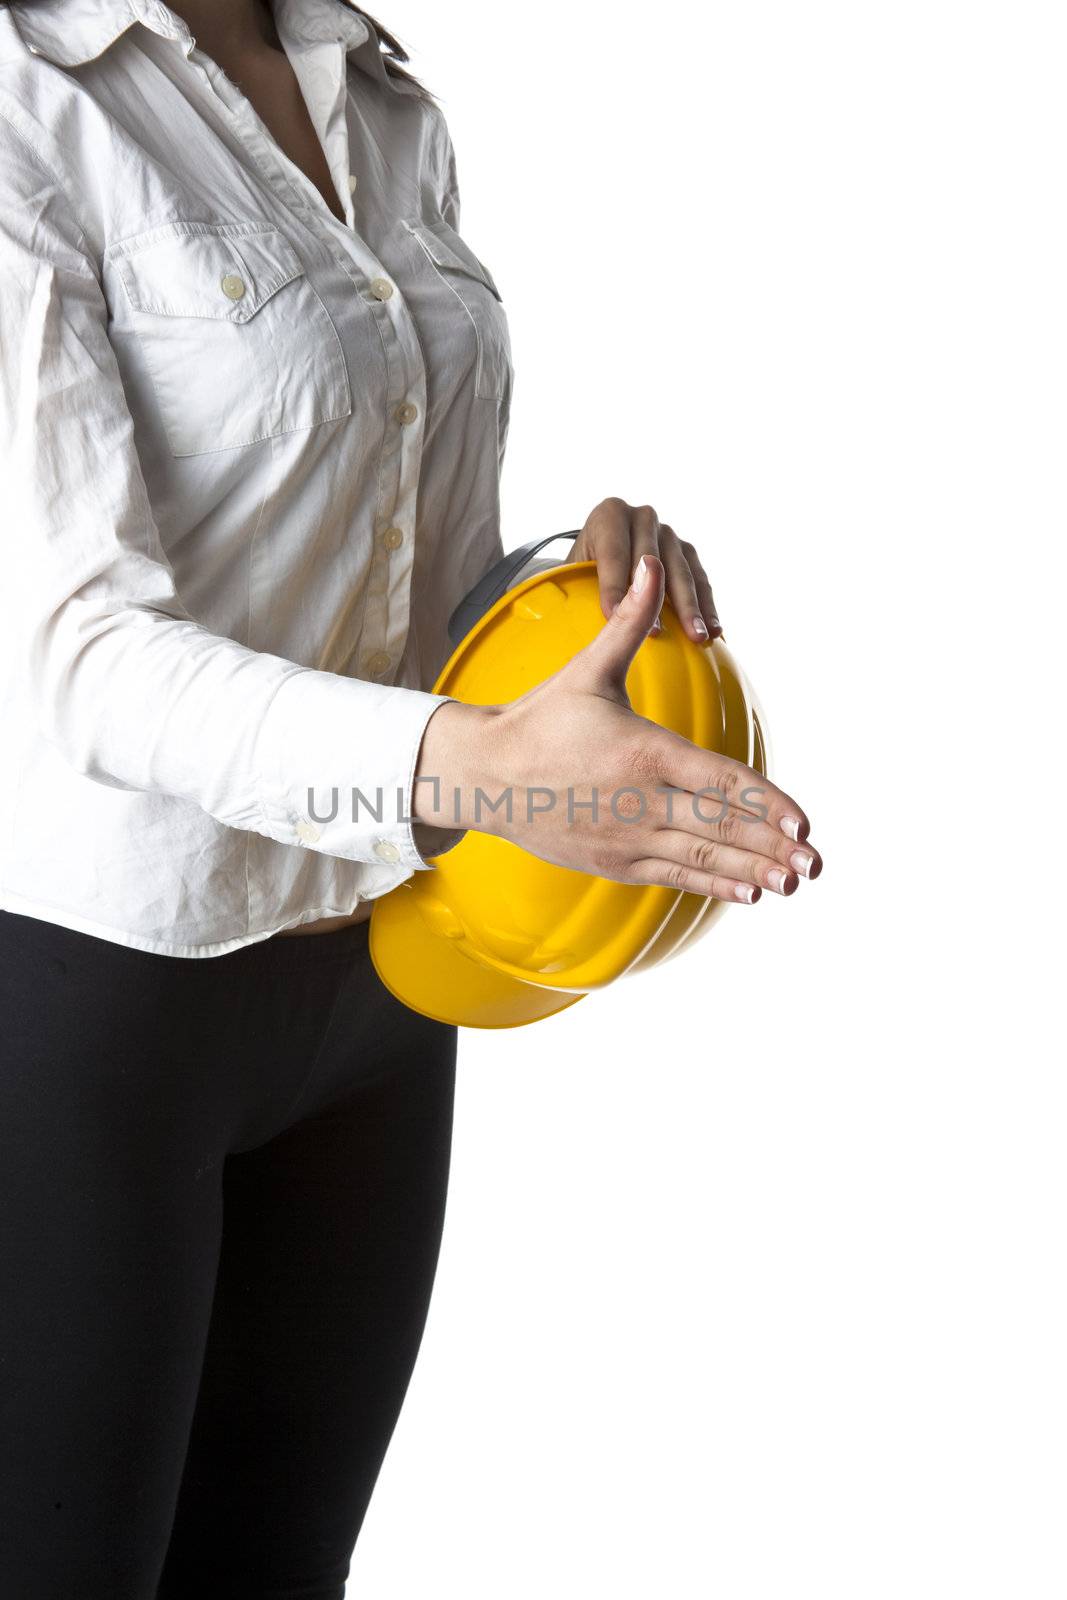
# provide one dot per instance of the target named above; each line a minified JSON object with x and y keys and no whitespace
{"x":336,"y":760}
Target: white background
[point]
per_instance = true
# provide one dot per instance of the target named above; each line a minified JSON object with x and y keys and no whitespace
{"x":753,"y":1279}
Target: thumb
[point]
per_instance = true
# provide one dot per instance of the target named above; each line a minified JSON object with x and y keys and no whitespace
{"x":604,"y":663}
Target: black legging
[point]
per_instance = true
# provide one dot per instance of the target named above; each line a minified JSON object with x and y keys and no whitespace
{"x":222,"y":1187}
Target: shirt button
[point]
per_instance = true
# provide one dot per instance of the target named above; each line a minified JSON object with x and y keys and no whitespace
{"x":386,"y":851}
{"x":393,"y":538}
{"x":352,"y":181}
{"x":381,"y":288}
{"x":406,"y":412}
{"x":233,"y":287}
{"x":377,"y":664}
{"x":307,"y":832}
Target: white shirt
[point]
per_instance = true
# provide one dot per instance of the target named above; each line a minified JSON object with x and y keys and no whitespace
{"x":251,"y":460}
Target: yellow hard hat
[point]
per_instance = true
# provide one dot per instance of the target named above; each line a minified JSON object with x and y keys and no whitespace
{"x":494,"y":937}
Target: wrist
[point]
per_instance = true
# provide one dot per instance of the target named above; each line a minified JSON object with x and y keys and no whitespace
{"x":454,"y":762}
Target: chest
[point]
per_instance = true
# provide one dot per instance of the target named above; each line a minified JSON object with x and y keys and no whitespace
{"x":244,"y":305}
{"x":273,"y":91}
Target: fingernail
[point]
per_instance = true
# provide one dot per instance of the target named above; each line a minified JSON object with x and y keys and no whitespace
{"x":747,"y":892}
{"x":640,"y":576}
{"x":700,"y":626}
{"x":657,"y":626}
{"x":801,"y":861}
{"x":778,"y":881}
{"x":791,"y":826}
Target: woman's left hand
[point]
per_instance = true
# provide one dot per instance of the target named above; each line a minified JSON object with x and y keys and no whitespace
{"x":616,"y":535}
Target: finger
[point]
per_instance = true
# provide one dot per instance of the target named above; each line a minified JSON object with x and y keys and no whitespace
{"x":721,"y":860}
{"x":681,"y":586}
{"x":608,"y":542}
{"x":644,"y":541}
{"x":703,"y":588}
{"x":603,"y":664}
{"x":712,"y":777}
{"x":711,"y":818}
{"x":672,"y":875}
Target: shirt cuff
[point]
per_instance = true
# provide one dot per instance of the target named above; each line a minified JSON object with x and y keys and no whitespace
{"x":336,"y":761}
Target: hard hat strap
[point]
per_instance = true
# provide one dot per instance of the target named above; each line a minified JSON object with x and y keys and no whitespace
{"x":496,"y":582}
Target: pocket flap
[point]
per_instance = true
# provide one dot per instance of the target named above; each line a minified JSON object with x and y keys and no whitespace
{"x":225,"y":271}
{"x":446,"y":249}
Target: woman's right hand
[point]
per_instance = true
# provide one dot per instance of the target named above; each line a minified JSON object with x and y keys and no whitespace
{"x":666,"y":811}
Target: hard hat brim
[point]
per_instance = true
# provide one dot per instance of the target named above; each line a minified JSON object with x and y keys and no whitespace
{"x":432,"y":976}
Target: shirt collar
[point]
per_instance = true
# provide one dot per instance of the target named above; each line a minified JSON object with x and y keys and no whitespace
{"x":71,"y":32}
{"x":321,"y":22}
{"x":302,"y":24}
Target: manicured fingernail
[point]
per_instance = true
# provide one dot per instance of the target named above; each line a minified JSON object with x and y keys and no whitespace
{"x":700,"y":626}
{"x":801,"y":861}
{"x":747,"y":892}
{"x":791,"y":826}
{"x":778,"y":881}
{"x":640,"y":576}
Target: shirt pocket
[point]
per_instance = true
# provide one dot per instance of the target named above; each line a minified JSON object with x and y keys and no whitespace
{"x":236,"y":340}
{"x":472,"y":283}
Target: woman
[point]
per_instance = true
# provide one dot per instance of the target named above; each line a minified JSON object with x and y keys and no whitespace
{"x":255,"y":391}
